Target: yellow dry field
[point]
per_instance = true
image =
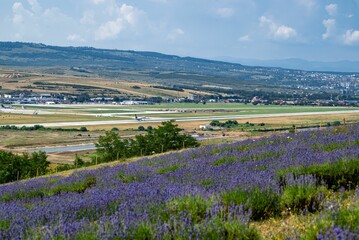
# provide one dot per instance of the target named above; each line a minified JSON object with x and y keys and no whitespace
{"x":6,"y":118}
{"x":18,"y":140}
{"x":276,"y":122}
{"x":30,"y":82}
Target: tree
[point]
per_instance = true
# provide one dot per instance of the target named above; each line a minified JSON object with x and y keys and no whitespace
{"x":110,"y":147}
{"x":83,"y":129}
{"x":164,"y":138}
{"x":15,"y":167}
{"x":168,"y":137}
{"x":141,"y":128}
{"x":39,"y":164}
{"x":215,"y":123}
{"x":78,"y":162}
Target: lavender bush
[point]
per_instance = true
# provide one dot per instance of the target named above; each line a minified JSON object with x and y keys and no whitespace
{"x":178,"y":195}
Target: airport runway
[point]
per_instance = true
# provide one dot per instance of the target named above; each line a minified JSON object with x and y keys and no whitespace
{"x":182,"y":119}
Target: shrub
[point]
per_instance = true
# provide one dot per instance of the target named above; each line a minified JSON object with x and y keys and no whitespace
{"x":83,"y":129}
{"x":195,"y":207}
{"x":144,"y":231}
{"x":262,"y":203}
{"x":168,"y":169}
{"x":297,"y":198}
{"x":230,"y":229}
{"x":344,"y":173}
{"x":224,"y":160}
{"x":141,"y":128}
{"x":336,"y":123}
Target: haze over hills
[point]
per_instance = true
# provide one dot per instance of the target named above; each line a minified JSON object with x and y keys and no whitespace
{"x":217,"y":77}
{"x":297,"y":63}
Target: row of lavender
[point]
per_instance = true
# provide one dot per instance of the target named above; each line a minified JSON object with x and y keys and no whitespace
{"x":176,"y":195}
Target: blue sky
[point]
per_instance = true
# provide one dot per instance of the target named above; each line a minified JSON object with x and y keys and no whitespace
{"x":259,"y":29}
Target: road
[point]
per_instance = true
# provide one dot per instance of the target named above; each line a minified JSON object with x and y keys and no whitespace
{"x":183,"y":119}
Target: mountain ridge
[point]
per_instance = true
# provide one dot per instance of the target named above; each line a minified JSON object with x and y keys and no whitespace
{"x":343,"y":66}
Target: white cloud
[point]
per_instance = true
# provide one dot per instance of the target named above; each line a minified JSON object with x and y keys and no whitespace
{"x":308,"y":3}
{"x":19,"y":13}
{"x":285,"y":32}
{"x":225,"y":12}
{"x":331,"y":9}
{"x":35,"y":6}
{"x":109,"y":30}
{"x":159,"y":1}
{"x":37,"y":24}
{"x":280,"y":32}
{"x":98,"y":1}
{"x":127,"y":17}
{"x":75,"y":38}
{"x":244,"y":38}
{"x":128,"y":13}
{"x":329,"y":24}
{"x":351,"y":37}
{"x":88,"y":18}
{"x":175,"y":33}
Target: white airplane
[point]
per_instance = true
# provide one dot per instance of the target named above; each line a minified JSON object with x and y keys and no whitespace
{"x":140,"y":118}
{"x":6,"y":107}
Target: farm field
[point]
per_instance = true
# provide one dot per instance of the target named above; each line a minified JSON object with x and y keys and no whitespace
{"x":57,"y":83}
{"x":275,"y":187}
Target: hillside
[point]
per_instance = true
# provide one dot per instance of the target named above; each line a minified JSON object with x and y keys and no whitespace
{"x":194,"y":74}
{"x":302,"y":185}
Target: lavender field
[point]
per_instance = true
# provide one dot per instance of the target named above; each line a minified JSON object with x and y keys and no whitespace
{"x":212,"y":192}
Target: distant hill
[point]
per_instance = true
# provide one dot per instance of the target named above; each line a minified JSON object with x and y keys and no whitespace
{"x":217,"y":77}
{"x":38,"y":55}
{"x":295,"y":63}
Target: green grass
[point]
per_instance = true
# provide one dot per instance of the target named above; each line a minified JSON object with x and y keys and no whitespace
{"x":306,"y":197}
{"x":79,"y":187}
{"x":344,"y":173}
{"x":225,"y":160}
{"x":262,"y":203}
{"x":168,"y":169}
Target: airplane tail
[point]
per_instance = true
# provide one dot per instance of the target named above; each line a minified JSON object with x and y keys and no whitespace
{"x":2,"y":105}
{"x":136,"y":116}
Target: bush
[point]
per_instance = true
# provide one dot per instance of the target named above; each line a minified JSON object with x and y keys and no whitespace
{"x":193,"y":206}
{"x":83,"y":129}
{"x":344,"y":173}
{"x":336,"y":123}
{"x":141,"y":128}
{"x":262,"y":203}
{"x":229,"y":229}
{"x":297,"y":198}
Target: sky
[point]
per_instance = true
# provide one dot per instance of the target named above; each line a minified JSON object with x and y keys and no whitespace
{"x":317,"y":30}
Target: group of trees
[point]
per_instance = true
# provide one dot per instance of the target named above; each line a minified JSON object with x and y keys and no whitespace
{"x":40,"y":127}
{"x":166,"y":137}
{"x":227,"y":124}
{"x":16,"y":167}
{"x":110,"y":147}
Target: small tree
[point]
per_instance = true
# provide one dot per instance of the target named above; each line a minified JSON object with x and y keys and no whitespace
{"x":78,"y":162}
{"x":83,"y":129}
{"x":141,"y":128}
{"x":110,"y":147}
{"x":215,"y":123}
{"x":39,"y":163}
